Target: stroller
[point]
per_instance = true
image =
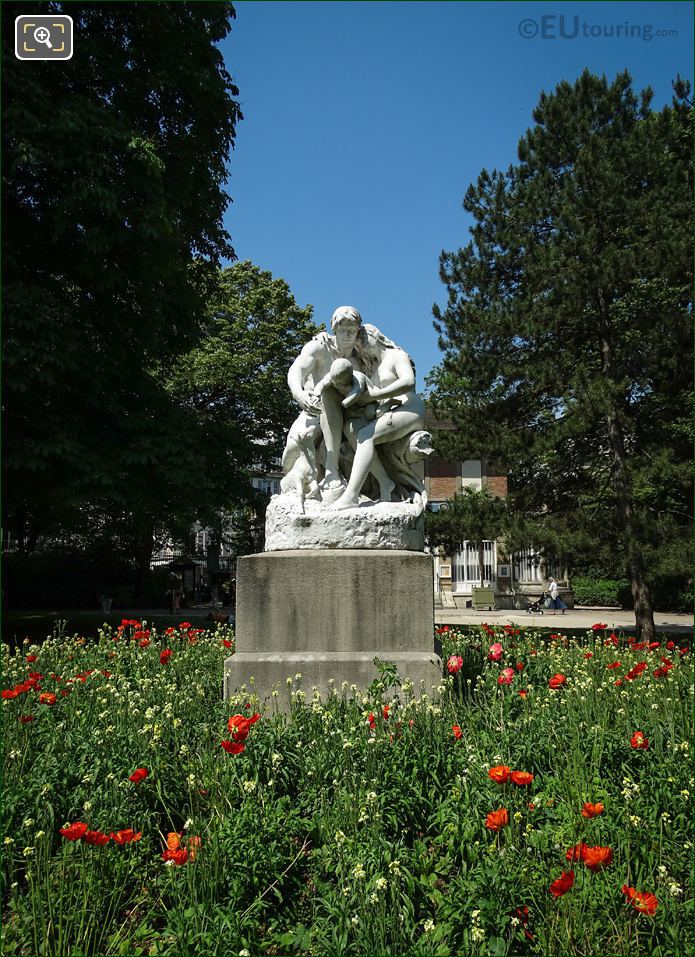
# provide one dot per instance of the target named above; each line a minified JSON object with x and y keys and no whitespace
{"x":536,"y":605}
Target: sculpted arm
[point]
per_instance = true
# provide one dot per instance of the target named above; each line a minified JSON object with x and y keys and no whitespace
{"x":299,"y":371}
{"x":404,"y":382}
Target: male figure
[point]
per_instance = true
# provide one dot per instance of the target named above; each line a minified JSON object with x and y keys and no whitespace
{"x":311,"y":366}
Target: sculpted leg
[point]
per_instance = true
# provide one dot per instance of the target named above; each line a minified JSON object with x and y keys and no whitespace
{"x":332,"y":427}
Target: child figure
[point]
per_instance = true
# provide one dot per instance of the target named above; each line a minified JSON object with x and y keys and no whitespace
{"x":350,"y":383}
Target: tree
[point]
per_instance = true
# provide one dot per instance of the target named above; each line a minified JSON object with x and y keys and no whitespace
{"x":115,"y":164}
{"x":220,"y":413}
{"x":474,"y":517}
{"x":567,"y":331}
{"x":234,"y":384}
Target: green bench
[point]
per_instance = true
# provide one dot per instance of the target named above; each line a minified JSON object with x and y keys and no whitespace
{"x":483,"y":598}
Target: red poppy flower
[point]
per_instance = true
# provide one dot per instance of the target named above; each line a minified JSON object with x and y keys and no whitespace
{"x":178,"y":857}
{"x":73,"y":832}
{"x":598,"y":858}
{"x":495,"y":652}
{"x":240,"y":726}
{"x":32,"y":658}
{"x":521,"y":914}
{"x":500,"y":773}
{"x":599,"y":626}
{"x":184,"y":625}
{"x":233,"y":747}
{"x":638,"y":741}
{"x":576,"y":853}
{"x":126,"y":836}
{"x":557,"y":681}
{"x":523,"y":694}
{"x":26,"y":718}
{"x":519,"y":666}
{"x":614,"y":664}
{"x":165,"y":656}
{"x":496,"y":820}
{"x":522,"y":778}
{"x":144,"y":643}
{"x":96,"y":838}
{"x":385,"y":712}
{"x":47,"y":697}
{"x":454,"y":664}
{"x":371,"y":720}
{"x":458,"y":733}
{"x":588,"y":654}
{"x":643,"y":901}
{"x":506,"y":676}
{"x":563,"y":883}
{"x":9,"y":693}
{"x":637,"y":670}
{"x":139,"y":775}
{"x":592,"y":810}
{"x":652,"y":645}
{"x":226,"y":642}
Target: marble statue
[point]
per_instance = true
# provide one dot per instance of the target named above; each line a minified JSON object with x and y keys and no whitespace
{"x":355,"y":442}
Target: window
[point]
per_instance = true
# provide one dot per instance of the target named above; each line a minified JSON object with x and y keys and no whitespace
{"x":267,"y":485}
{"x":465,"y":568}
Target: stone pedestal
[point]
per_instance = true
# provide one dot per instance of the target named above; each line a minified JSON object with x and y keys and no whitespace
{"x":327,"y":613}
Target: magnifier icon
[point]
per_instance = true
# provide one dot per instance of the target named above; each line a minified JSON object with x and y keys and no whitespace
{"x":43,"y":35}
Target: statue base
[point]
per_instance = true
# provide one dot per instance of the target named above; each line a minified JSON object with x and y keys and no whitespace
{"x":293,"y":523}
{"x":326,"y":614}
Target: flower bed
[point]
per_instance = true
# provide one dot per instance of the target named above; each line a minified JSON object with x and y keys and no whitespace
{"x":538,"y":802}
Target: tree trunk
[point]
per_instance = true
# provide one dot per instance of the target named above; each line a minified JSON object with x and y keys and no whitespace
{"x":144,"y":549}
{"x":644,"y":612}
{"x":212,"y":558}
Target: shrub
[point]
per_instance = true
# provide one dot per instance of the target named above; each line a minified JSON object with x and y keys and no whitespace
{"x":600,"y":591}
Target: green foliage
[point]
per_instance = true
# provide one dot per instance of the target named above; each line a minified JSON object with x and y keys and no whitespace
{"x":567,"y":331}
{"x":114,"y":176}
{"x":599,"y":591}
{"x":336,"y":832}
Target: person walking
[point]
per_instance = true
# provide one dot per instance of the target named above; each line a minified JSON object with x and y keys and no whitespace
{"x":556,"y":601}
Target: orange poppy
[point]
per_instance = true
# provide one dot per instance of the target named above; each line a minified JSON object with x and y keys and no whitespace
{"x":458,"y":733}
{"x":500,"y":773}
{"x":96,"y":838}
{"x":643,"y":901}
{"x":638,"y":741}
{"x":557,"y":681}
{"x":73,"y":832}
{"x":598,"y":858}
{"x":562,"y":884}
{"x":126,"y":836}
{"x":577,"y":853}
{"x":139,"y":775}
{"x":496,"y":820}
{"x":233,"y":747}
{"x":522,"y":778}
{"x":592,"y":810}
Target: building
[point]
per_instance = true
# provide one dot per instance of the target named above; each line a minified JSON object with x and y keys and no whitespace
{"x":515,"y":578}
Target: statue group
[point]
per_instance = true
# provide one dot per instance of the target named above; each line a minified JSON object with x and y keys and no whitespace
{"x":343,"y":579}
{"x":360,"y":429}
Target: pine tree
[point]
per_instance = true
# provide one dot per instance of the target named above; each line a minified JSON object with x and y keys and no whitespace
{"x":567,"y":331}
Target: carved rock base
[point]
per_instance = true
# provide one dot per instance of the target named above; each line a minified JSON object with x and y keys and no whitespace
{"x":293,"y":524}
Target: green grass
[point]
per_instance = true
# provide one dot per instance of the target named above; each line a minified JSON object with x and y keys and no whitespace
{"x":337,"y":832}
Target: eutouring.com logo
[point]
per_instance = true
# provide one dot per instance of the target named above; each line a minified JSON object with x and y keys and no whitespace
{"x":552,"y":26}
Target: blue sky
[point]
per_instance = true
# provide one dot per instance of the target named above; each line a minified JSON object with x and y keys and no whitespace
{"x":365,"y":122}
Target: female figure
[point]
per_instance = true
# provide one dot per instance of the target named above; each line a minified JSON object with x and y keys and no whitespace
{"x":391,"y":382}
